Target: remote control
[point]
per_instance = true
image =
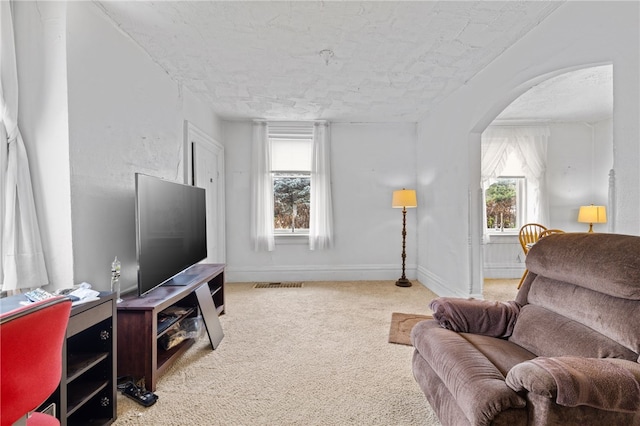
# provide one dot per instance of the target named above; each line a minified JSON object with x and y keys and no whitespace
{"x":141,"y":396}
{"x":37,"y":295}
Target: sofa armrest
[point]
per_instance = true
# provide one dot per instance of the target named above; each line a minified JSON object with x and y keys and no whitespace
{"x":490,"y":318}
{"x":604,"y":383}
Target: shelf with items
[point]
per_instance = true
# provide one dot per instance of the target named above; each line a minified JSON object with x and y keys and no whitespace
{"x":172,"y":316}
{"x":143,"y":321}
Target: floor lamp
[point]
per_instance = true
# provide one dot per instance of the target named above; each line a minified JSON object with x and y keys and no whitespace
{"x":404,"y":199}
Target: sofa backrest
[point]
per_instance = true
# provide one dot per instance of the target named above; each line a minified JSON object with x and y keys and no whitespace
{"x":581,"y":297}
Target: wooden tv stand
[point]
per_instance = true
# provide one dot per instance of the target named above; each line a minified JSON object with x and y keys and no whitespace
{"x":141,"y":353}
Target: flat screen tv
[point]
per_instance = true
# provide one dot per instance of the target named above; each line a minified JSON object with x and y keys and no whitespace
{"x":170,"y":230}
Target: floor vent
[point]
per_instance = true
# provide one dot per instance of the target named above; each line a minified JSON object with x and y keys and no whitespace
{"x":278,"y":285}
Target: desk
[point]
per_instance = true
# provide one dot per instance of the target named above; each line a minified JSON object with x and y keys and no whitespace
{"x":87,"y":391}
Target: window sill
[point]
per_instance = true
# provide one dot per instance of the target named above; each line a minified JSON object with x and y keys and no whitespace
{"x":291,"y":239}
{"x":504,"y":233}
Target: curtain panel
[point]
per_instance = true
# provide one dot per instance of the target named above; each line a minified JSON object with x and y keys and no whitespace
{"x":22,"y":256}
{"x":262,"y":235}
{"x":321,"y":218}
{"x":529,"y":143}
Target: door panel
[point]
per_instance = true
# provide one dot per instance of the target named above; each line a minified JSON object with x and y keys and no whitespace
{"x":205,"y":168}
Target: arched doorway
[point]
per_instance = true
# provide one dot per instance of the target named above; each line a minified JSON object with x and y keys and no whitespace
{"x":576,"y":106}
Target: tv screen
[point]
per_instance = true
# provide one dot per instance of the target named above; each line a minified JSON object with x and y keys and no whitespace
{"x":170,"y":230}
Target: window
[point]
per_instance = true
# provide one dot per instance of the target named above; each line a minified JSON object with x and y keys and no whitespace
{"x":504,"y":202}
{"x":291,"y":184}
{"x":291,"y":176}
{"x":505,"y":197}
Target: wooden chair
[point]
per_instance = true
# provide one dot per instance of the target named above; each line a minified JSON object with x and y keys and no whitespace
{"x":550,"y":231}
{"x":529,"y":234}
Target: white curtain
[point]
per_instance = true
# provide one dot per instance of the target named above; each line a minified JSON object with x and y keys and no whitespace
{"x":321,"y":217}
{"x":261,"y":190}
{"x":23,"y":259}
{"x":530,"y":146}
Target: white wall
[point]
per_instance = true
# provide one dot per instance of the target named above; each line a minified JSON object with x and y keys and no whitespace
{"x":503,"y":256}
{"x":368,"y":162}
{"x":577,"y":34}
{"x":579,"y":159}
{"x":126,"y":116}
{"x":122,"y":114}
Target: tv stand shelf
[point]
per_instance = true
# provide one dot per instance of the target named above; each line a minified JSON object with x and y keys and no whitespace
{"x":140,"y":352}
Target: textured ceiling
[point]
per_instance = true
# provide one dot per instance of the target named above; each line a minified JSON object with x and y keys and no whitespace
{"x":387,"y":61}
{"x":583,"y":95}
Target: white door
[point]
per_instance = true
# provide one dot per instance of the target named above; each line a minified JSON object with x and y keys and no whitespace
{"x":205,"y":160}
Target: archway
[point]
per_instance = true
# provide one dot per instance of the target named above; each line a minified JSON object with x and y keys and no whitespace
{"x":577,"y":106}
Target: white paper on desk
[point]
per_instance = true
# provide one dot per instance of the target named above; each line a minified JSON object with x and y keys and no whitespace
{"x":85,"y":293}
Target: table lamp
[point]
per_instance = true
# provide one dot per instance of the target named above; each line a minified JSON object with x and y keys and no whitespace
{"x":592,"y":214}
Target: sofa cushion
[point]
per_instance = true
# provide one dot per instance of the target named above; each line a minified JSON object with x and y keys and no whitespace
{"x":502,"y":353}
{"x":614,"y":317}
{"x":476,"y":384}
{"x":547,"y":333}
{"x":606,"y":263}
{"x":445,"y":405}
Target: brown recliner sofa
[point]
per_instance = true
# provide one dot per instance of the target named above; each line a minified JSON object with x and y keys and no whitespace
{"x":565,"y":352}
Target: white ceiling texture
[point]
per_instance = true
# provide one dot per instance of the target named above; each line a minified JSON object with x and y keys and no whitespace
{"x":339,"y":60}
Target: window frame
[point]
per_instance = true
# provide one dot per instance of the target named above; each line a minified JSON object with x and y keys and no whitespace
{"x":289,"y":136}
{"x":289,"y":174}
{"x":521,"y":205}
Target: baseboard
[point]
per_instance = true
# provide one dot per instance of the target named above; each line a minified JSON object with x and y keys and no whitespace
{"x":317,"y":273}
{"x":503,"y":270}
{"x":440,"y":287}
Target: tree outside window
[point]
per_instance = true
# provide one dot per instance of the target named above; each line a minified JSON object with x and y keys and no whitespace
{"x":291,"y":199}
{"x":502,"y":204}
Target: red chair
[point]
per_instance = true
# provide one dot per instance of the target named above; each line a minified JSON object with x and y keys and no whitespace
{"x":31,"y":339}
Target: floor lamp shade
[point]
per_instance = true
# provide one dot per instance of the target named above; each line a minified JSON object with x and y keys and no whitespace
{"x":403,"y":199}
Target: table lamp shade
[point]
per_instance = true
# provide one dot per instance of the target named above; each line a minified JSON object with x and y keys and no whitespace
{"x":404,"y":198}
{"x":592,"y":214}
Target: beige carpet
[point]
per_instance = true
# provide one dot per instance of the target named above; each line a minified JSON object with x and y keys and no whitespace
{"x":503,"y":289}
{"x":317,"y":355}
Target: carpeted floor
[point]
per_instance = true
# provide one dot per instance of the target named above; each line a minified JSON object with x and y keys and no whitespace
{"x":316,"y":355}
{"x":500,"y":289}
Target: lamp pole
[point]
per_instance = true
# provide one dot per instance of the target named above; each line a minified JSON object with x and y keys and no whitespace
{"x":403,"y":281}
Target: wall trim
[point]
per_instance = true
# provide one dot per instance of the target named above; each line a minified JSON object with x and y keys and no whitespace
{"x":503,"y":270}
{"x":317,"y":273}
